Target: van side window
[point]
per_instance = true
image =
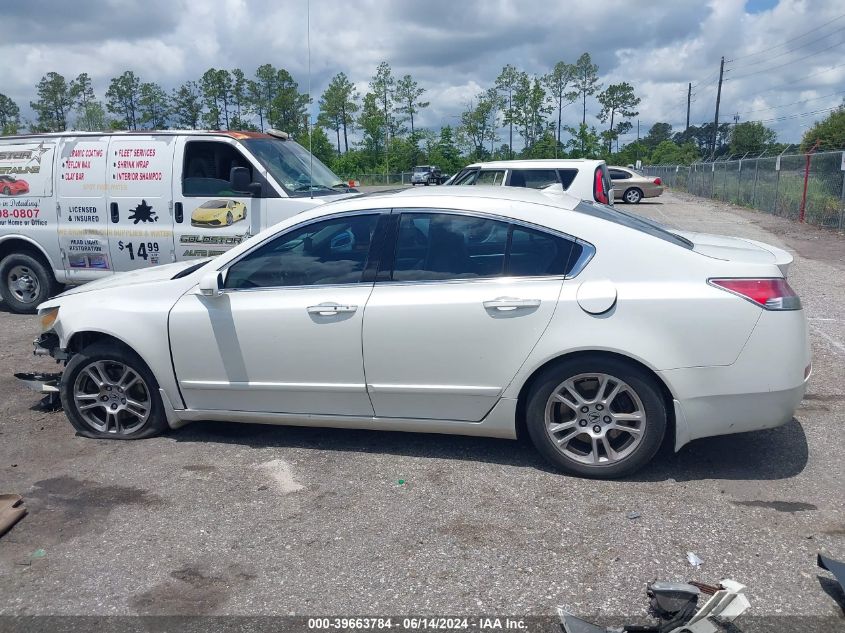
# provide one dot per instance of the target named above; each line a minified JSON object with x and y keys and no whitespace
{"x":207,"y":168}
{"x":533,"y":178}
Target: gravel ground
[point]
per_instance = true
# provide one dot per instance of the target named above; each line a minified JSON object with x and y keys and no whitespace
{"x":235,"y":519}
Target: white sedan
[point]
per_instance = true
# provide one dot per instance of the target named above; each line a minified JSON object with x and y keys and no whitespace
{"x":485,"y":311}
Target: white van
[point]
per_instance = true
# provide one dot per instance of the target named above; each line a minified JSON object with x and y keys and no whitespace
{"x":584,"y":178}
{"x":77,"y":206}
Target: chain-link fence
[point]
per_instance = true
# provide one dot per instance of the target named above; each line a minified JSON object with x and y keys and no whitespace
{"x":774,"y":184}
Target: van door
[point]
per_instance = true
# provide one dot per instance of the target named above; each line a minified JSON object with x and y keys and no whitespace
{"x":210,"y":215}
{"x":83,"y":209}
{"x":139,"y":179}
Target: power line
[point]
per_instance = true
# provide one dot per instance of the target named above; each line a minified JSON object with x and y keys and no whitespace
{"x":792,"y":85}
{"x":797,"y":37}
{"x":765,"y":70}
{"x":786,"y":105}
{"x":797,"y":48}
{"x":799,"y":115}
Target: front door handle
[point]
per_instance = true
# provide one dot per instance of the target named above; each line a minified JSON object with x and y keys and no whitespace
{"x":330,"y":309}
{"x":507,"y":304}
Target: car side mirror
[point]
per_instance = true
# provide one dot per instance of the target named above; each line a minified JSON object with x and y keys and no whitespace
{"x":239,"y":178}
{"x":211,"y":284}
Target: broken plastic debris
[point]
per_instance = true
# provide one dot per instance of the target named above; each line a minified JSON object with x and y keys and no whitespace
{"x":834,"y":567}
{"x":400,"y":482}
{"x":12,"y":510}
{"x":674,"y":605}
{"x":694,"y":560}
{"x":634,"y":515}
{"x":39,"y":553}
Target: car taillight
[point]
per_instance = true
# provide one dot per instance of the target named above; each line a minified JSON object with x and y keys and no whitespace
{"x":657,"y":181}
{"x":598,"y":188}
{"x":771,"y":294}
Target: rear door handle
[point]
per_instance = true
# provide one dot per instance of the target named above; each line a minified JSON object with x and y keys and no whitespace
{"x":507,"y":304}
{"x":115,"y":214}
{"x":179,"y":212}
{"x":330,"y":309}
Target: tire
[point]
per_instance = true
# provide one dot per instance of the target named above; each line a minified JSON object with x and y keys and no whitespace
{"x":632,"y":195}
{"x":620,"y":452}
{"x":7,"y":191}
{"x":25,"y":282}
{"x":229,"y":218}
{"x":79,"y":388}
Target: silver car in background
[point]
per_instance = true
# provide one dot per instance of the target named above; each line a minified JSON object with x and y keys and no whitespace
{"x":631,"y":187}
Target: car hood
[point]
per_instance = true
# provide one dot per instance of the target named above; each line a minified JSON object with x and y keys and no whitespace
{"x":738,"y":249}
{"x":132,"y":278}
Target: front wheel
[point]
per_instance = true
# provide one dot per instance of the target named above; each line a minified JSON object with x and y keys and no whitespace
{"x":108,"y":392}
{"x":632,"y":196}
{"x":25,"y":282}
{"x":7,"y":191}
{"x":596,"y":417}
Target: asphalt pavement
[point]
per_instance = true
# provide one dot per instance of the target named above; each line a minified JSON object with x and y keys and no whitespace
{"x":239,"y":519}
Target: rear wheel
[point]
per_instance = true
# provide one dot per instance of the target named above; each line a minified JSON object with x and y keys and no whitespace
{"x":107,"y":391}
{"x":596,"y":417}
{"x":632,"y":196}
{"x":25,"y":282}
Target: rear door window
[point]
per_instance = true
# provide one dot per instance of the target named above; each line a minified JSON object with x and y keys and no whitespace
{"x":618,"y":174}
{"x":446,"y":246}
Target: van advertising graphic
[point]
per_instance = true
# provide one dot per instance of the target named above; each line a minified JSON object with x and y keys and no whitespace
{"x":20,"y":213}
{"x":217,"y":213}
{"x":26,"y":170}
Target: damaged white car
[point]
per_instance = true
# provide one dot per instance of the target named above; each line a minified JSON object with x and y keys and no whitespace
{"x":478,"y":311}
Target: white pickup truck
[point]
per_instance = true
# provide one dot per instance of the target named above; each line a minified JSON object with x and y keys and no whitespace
{"x":77,"y":206}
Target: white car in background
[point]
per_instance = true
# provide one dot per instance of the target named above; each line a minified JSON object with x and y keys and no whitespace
{"x":474,"y":311}
{"x":583,"y":178}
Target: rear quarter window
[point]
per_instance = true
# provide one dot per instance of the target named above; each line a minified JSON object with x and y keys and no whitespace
{"x":632,"y":221}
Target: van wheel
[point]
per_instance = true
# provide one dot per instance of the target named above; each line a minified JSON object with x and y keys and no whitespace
{"x":107,"y":391}
{"x":596,"y":417}
{"x":25,"y":282}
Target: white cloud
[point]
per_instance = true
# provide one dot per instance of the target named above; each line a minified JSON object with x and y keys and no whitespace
{"x":454,"y":49}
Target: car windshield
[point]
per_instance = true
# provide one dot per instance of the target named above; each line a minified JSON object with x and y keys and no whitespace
{"x":420,"y":170}
{"x":291,"y":165}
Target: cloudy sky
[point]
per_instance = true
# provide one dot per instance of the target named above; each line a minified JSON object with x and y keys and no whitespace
{"x":785,"y":57}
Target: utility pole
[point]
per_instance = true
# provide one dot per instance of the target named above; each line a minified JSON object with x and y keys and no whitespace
{"x":718,"y":100}
{"x":689,"y":99}
{"x":638,"y":130}
{"x":736,"y":119}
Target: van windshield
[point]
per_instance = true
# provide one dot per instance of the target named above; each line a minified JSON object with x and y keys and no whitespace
{"x":290,"y":163}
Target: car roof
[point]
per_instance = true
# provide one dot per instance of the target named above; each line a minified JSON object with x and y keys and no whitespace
{"x":536,"y":162}
{"x":452,"y":197}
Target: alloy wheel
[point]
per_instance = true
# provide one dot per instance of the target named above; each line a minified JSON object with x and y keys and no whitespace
{"x":595,"y":419}
{"x":112,"y":397}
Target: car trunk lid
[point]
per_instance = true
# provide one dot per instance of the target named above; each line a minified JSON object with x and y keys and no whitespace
{"x":737,"y":249}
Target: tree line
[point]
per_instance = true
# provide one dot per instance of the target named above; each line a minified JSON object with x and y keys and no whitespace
{"x":384,"y":120}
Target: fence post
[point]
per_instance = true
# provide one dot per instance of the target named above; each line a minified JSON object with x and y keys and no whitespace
{"x":754,"y":189}
{"x":809,"y":156}
{"x":842,"y":197}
